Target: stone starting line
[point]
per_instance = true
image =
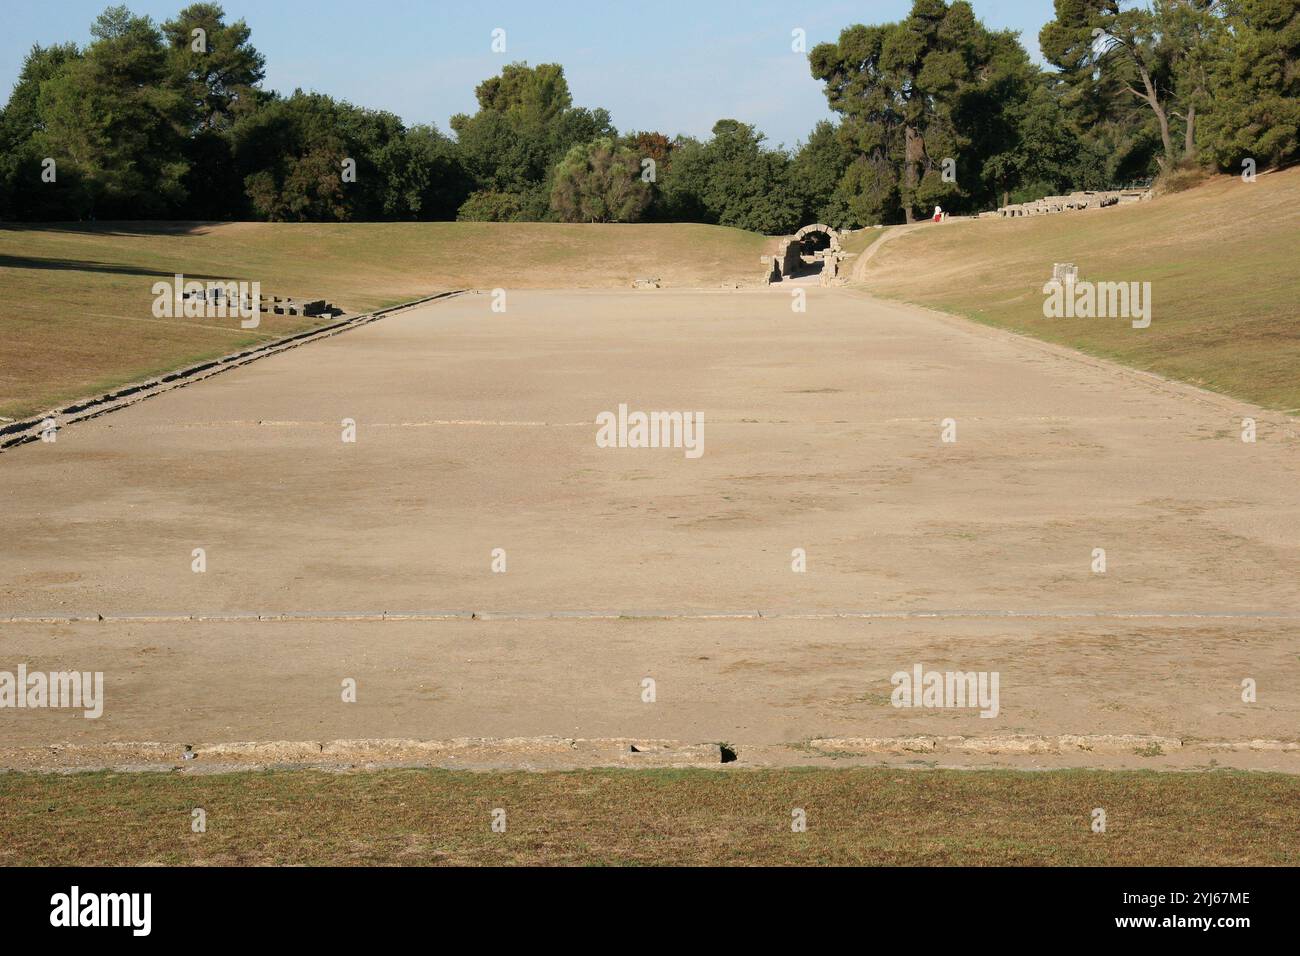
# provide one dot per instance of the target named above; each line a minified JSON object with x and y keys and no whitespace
{"x":601,"y":752}
{"x":241,"y":617}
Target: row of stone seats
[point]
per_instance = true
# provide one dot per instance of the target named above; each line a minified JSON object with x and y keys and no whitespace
{"x":1088,"y":199}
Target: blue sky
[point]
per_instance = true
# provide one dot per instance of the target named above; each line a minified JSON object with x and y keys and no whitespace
{"x":671,"y":66}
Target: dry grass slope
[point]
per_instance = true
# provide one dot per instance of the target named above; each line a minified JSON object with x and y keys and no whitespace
{"x":1222,"y":261}
{"x":75,"y":301}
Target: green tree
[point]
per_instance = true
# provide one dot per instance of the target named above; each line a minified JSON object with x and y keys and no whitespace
{"x":214,"y":64}
{"x":731,"y":180}
{"x":1128,"y":45}
{"x":493,"y":205}
{"x":657,"y":149}
{"x":1254,"y":110}
{"x":526,"y":123}
{"x":310,"y":157}
{"x":1134,"y":72}
{"x":291,"y":154}
{"x":535,"y":96}
{"x":743,"y":184}
{"x":308,"y":188}
{"x":1023,"y":140}
{"x":599,"y":182}
{"x":218,"y":70}
{"x":680,"y":186}
{"x":900,"y":88}
{"x":112,"y":118}
{"x":1194,"y":34}
{"x":869,"y":190}
{"x":816,"y":172}
{"x":870,"y":101}
{"x":23,"y":193}
{"x":426,"y":178}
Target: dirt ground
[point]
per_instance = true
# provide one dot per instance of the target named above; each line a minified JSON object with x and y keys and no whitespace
{"x":476,"y":431}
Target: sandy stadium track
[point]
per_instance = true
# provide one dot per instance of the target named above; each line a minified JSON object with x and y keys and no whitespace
{"x":476,"y":431}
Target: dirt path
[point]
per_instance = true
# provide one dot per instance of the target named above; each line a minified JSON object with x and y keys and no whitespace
{"x":476,"y":431}
{"x":888,"y":235}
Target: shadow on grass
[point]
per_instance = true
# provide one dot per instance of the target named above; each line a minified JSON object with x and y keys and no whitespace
{"x":82,"y":265}
{"x":141,"y":230}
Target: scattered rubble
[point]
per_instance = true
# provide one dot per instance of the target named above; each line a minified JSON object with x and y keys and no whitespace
{"x":270,"y":304}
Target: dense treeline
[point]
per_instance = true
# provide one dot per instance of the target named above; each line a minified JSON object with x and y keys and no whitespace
{"x":170,"y":121}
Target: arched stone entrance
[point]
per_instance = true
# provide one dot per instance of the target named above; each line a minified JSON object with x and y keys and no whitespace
{"x":818,"y":238}
{"x":813,"y":250}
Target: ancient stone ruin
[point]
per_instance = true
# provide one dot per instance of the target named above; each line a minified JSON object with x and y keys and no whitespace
{"x":1086,"y":199}
{"x":271,"y":304}
{"x":1066,"y":273}
{"x":814,"y":250}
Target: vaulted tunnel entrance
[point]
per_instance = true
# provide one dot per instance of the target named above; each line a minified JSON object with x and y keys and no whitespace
{"x":812,"y":251}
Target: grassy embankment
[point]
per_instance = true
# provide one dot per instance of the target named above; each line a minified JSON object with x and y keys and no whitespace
{"x":647,"y":817}
{"x":1223,"y":261}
